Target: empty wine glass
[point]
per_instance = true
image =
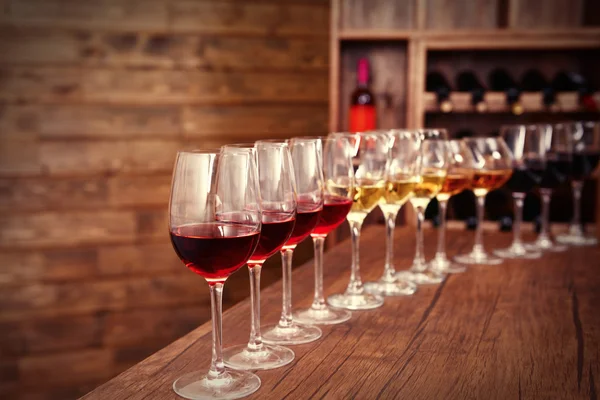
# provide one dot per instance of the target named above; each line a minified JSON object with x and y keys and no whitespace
{"x":370,"y":158}
{"x":278,"y":204}
{"x":460,"y":174}
{"x":338,"y":174}
{"x":493,"y":168}
{"x":402,"y":175}
{"x":308,"y":171}
{"x":434,"y":166}
{"x":585,"y":154}
{"x":214,"y":224}
{"x":558,"y":160}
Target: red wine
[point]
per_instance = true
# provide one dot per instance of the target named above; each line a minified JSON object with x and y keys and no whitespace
{"x":334,"y":213}
{"x":522,"y":180}
{"x":305,"y":223}
{"x":583,"y":165}
{"x":276,"y":230}
{"x":362,"y":104}
{"x":467,"y":81}
{"x":214,"y":250}
{"x":437,"y":83}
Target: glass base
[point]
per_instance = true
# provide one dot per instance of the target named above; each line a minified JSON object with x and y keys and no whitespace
{"x":477,"y":257}
{"x":293,"y":334}
{"x":358,"y":301}
{"x":269,"y":357}
{"x":443,"y":265}
{"x":395,"y":288}
{"x":577,"y":240}
{"x":545,"y":244}
{"x":232,"y":385}
{"x":421,"y":277}
{"x":323,"y":316}
{"x":517,"y":251}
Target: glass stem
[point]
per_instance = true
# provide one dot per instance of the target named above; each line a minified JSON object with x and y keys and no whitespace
{"x":255,"y":343}
{"x":518,"y":198}
{"x":355,"y":286}
{"x":286,"y":265}
{"x":217,"y":368}
{"x":576,"y":223}
{"x":419,"y":260}
{"x":441,"y":245}
{"x":478,"y":247}
{"x":545,"y":228}
{"x":319,"y":299}
{"x":389,"y":271}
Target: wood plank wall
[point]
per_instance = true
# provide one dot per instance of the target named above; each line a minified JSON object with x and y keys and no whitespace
{"x":96,"y":96}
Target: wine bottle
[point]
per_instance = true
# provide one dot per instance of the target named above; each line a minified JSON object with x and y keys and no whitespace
{"x":574,"y":82}
{"x":463,"y":133}
{"x":437,"y":83}
{"x":467,"y":81}
{"x":501,"y":81}
{"x":363,"y":115}
{"x":533,"y":81}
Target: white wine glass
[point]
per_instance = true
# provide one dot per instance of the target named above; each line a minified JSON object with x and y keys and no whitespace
{"x":434,"y":167}
{"x":370,"y":159}
{"x":402,"y":175}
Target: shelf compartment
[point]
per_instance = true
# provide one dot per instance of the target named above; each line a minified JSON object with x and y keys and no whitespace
{"x":566,"y":102}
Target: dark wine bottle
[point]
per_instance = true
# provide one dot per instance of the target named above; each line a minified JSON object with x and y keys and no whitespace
{"x":467,"y":81}
{"x":437,"y":83}
{"x":501,"y":81}
{"x":574,"y":82}
{"x":533,"y":81}
{"x":363,"y":116}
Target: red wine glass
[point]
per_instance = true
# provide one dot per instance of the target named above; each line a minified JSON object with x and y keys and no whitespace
{"x":309,"y":188}
{"x":527,"y":145}
{"x":584,"y":137}
{"x":337,"y":169}
{"x":278,"y":204}
{"x":214,"y":223}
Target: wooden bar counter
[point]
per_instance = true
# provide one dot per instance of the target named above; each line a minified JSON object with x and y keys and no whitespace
{"x":521,"y":330}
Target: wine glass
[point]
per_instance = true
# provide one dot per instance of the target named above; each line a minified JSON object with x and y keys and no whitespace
{"x":338,"y":174}
{"x":278,"y":205}
{"x":401,"y":177}
{"x":308,"y":171}
{"x":493,"y":168}
{"x":558,"y":160}
{"x":434,"y":167}
{"x":370,"y":159}
{"x":528,"y":149}
{"x":214,"y":224}
{"x":585,"y":154}
{"x":460,"y":174}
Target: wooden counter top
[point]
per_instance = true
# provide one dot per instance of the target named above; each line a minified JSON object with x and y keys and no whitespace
{"x":524,"y":329}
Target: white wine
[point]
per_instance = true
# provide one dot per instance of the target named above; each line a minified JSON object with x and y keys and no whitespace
{"x":366,"y":194}
{"x":456,"y":181}
{"x":397,"y":192}
{"x":429,"y":185}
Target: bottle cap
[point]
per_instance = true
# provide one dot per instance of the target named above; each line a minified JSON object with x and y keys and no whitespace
{"x":363,"y":71}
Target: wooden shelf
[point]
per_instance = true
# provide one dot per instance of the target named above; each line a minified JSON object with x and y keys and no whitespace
{"x":483,"y":39}
{"x":567,"y":102}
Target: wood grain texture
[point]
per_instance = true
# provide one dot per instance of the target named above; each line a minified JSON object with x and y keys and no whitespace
{"x":377,"y":14}
{"x":46,"y":46}
{"x":222,"y":17}
{"x":521,"y":329}
{"x":463,"y":14}
{"x":538,"y":14}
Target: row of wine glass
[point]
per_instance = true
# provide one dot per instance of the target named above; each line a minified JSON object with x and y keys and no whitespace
{"x":243,"y":203}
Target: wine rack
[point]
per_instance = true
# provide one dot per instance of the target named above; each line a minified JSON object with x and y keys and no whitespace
{"x":406,"y":39}
{"x":532,"y":102}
